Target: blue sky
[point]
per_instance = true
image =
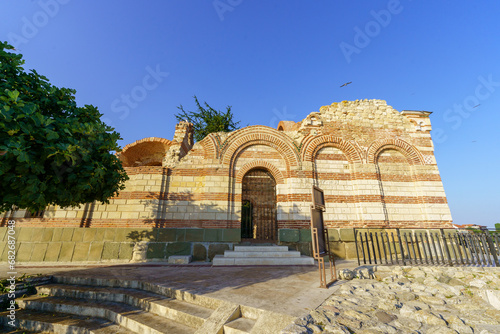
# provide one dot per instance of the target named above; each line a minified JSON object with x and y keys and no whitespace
{"x":273,"y":60}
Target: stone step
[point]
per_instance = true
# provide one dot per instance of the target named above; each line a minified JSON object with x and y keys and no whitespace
{"x":176,"y":310}
{"x":220,"y":260}
{"x":261,"y":254}
{"x":127,"y":316}
{"x":239,"y":326}
{"x":261,"y":248}
{"x":32,"y":321}
{"x":207,"y":302}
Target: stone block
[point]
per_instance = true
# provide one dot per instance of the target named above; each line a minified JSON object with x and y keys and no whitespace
{"x":78,"y":234}
{"x":216,"y":249}
{"x":179,"y":259}
{"x":194,"y":234}
{"x":47,"y":235}
{"x":57,"y":235}
{"x":231,"y":235}
{"x":338,"y":249}
{"x":81,"y":252}
{"x":39,"y":251}
{"x":66,"y":253}
{"x":156,"y":250}
{"x":3,"y":233}
{"x":212,"y":234}
{"x":121,"y":234}
{"x":178,"y":248}
{"x":166,"y":234}
{"x":37,"y":234}
{"x":95,"y":252}
{"x":199,"y":252}
{"x":288,"y":235}
{"x":350,"y":250}
{"x":24,"y":234}
{"x":180,"y":234}
{"x":136,"y":235}
{"x":346,"y":234}
{"x":110,"y":250}
{"x":67,"y":234}
{"x":99,"y":234}
{"x":333,"y":234}
{"x":109,"y":234}
{"x":5,"y":252}
{"x":24,"y":252}
{"x":126,"y":250}
{"x":89,"y":234}
{"x":53,"y":250}
{"x":305,"y":248}
{"x":305,"y":235}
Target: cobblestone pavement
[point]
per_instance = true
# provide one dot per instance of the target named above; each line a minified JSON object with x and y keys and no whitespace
{"x":409,"y":300}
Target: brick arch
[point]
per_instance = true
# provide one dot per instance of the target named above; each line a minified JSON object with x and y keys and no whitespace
{"x":259,"y":135}
{"x":210,"y":146}
{"x":409,"y":151}
{"x":148,"y":150}
{"x":313,"y":145}
{"x":275,"y":172}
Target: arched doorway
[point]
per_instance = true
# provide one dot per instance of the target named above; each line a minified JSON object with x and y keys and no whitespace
{"x":258,"y":198}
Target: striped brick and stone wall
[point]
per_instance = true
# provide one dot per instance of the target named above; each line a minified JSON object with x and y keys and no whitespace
{"x":376,"y":166}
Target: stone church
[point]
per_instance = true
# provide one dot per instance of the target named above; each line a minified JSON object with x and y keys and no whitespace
{"x":376,"y":166}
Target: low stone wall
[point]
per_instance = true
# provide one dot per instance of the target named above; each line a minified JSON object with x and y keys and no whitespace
{"x":297,"y":239}
{"x":383,"y":299}
{"x":52,"y":244}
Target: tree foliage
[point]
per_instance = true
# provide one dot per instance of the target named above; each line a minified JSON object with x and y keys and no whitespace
{"x":207,"y":120}
{"x":51,"y":151}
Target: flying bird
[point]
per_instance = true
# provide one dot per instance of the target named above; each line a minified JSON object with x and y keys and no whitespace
{"x":476,"y":106}
{"x":347,"y":83}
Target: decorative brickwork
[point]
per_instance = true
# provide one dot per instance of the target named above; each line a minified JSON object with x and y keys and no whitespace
{"x":376,"y":166}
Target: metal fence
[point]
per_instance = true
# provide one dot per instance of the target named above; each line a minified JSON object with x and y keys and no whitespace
{"x":428,"y":247}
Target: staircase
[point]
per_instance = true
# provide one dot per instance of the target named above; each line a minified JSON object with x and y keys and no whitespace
{"x":262,"y":256}
{"x":112,"y":306}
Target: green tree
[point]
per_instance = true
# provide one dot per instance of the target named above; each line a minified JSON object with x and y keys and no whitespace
{"x":208,"y":120}
{"x":51,"y":151}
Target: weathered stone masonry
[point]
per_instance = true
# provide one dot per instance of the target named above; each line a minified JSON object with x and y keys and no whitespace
{"x":375,"y":164}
